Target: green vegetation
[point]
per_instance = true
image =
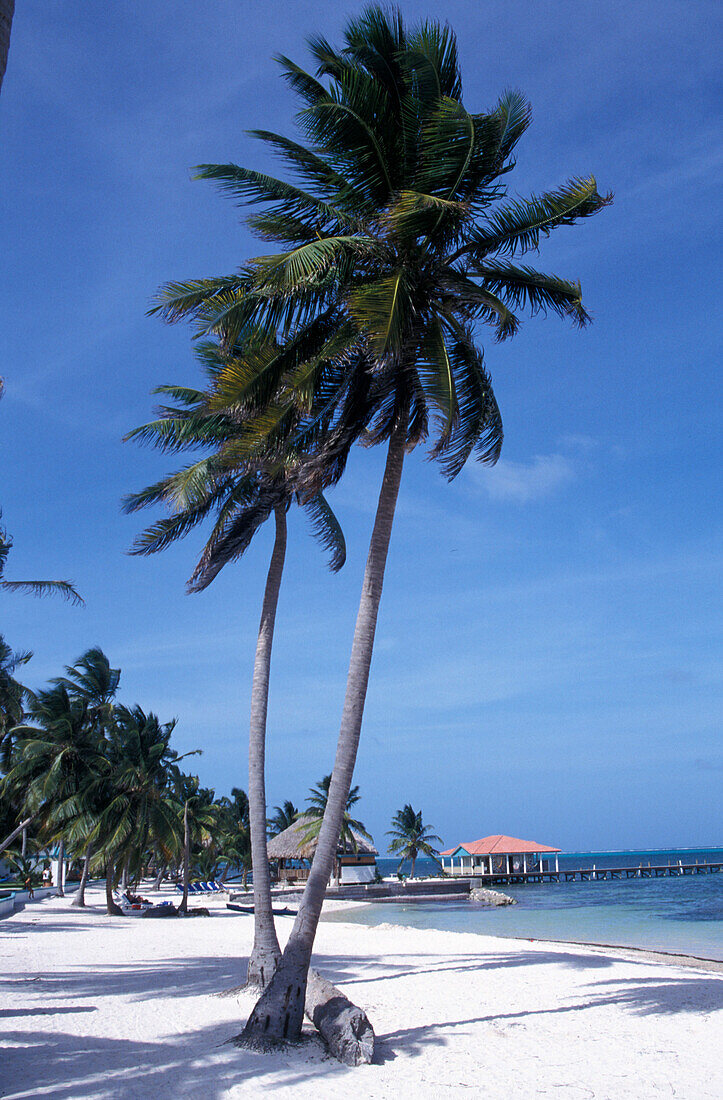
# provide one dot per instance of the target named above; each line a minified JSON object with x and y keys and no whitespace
{"x":411,"y":837}
{"x":100,"y":780}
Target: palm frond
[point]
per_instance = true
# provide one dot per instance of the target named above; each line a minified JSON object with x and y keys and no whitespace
{"x":65,"y":589}
{"x":327,"y":530}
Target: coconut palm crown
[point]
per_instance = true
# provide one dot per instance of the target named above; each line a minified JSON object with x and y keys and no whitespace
{"x":410,"y":836}
{"x":397,"y":240}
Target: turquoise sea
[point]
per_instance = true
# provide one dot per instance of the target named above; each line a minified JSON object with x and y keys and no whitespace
{"x":680,"y":914}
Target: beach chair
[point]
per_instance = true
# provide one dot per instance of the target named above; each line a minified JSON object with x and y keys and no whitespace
{"x":215,"y":887}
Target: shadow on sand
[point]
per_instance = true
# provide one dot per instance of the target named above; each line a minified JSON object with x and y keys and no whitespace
{"x":199,"y":1063}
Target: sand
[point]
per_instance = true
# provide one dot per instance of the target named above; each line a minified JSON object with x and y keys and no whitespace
{"x":93,"y":1006}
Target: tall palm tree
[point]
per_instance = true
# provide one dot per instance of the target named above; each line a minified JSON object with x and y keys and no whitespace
{"x":244,"y":490}
{"x":411,"y":836}
{"x":282,"y":818}
{"x":400,"y":235}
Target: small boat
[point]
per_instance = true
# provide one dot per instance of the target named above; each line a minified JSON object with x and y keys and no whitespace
{"x":249,"y":909}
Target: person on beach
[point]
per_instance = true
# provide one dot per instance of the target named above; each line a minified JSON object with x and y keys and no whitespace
{"x":29,"y":887}
{"x":47,"y":877}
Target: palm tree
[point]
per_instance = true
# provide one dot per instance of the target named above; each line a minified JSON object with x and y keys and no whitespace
{"x":401,"y":237}
{"x":134,"y":808}
{"x":12,"y":694}
{"x":317,"y":802}
{"x":57,"y":756}
{"x":35,"y":588}
{"x":200,"y":821}
{"x":411,"y":836}
{"x":244,"y":491}
{"x":283,"y":818}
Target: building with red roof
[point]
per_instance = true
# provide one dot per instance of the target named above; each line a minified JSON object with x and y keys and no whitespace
{"x":498,"y":855}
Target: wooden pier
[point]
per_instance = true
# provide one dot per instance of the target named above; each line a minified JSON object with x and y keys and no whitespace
{"x":597,"y":874}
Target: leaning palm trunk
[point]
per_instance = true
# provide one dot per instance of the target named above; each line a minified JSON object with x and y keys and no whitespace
{"x":79,"y":899}
{"x":113,"y":909}
{"x":266,"y":952}
{"x":183,"y":907}
{"x":61,"y":868}
{"x":16,"y":832}
{"x":279,"y":1012}
{"x":159,"y":877}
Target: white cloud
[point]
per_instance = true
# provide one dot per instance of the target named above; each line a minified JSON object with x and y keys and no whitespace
{"x":525,"y":481}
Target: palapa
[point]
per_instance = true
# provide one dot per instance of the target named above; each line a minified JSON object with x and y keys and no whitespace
{"x":294,"y":844}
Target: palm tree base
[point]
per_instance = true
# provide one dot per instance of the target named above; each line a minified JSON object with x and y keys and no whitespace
{"x":263,"y":964}
{"x":278,"y":1014}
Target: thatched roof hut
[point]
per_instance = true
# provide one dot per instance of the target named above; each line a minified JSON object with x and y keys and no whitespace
{"x":291,"y":844}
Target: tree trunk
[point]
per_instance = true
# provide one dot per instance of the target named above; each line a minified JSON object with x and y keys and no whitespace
{"x":7,"y":8}
{"x":113,"y":909}
{"x":159,"y":877}
{"x":79,"y":899}
{"x":61,"y":869}
{"x":18,"y":828}
{"x":124,"y":876}
{"x":278,"y":1014}
{"x":346,"y":1028}
{"x":266,"y":953}
{"x":414,"y":860}
{"x":24,"y":848}
{"x":183,"y":907}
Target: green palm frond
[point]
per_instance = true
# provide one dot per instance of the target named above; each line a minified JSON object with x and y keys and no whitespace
{"x":64,"y":589}
{"x":327,"y":530}
{"x":528,"y":289}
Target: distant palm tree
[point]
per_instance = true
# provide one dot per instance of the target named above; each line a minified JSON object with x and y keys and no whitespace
{"x":317,"y":801}
{"x":12,"y":694}
{"x":235,"y":834}
{"x":412,"y":836}
{"x":200,"y":821}
{"x":283,"y":818}
{"x":135,"y":809}
{"x":56,"y":758}
{"x":91,"y":680}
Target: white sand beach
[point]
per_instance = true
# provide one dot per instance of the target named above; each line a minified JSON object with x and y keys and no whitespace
{"x":99,"y":1007}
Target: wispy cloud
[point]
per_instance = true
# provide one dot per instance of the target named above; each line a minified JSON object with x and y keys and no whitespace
{"x":525,"y":481}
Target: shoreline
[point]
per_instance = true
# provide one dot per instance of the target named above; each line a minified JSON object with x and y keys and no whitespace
{"x":652,"y":954}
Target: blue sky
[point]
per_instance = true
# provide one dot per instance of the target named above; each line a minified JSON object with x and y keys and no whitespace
{"x":547,"y":659}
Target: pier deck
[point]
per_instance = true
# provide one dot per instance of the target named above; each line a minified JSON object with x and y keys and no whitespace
{"x":597,"y":874}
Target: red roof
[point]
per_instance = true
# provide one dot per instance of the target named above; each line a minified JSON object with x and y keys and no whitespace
{"x":500,"y":845}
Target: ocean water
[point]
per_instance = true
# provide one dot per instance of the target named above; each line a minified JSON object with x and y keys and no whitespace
{"x":679,"y":914}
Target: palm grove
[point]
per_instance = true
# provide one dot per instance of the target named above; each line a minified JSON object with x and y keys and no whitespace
{"x":391,"y":246}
